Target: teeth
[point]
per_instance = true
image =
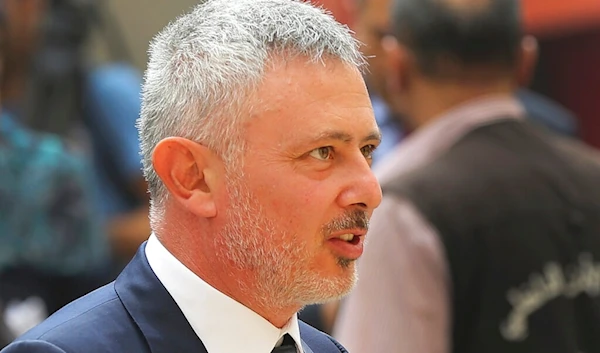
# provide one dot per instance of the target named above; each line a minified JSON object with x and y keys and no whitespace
{"x":347,"y":237}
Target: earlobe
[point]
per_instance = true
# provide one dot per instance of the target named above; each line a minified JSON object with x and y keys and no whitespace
{"x":183,"y":165}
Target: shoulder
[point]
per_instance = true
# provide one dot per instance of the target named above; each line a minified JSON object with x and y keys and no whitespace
{"x":492,"y":162}
{"x":318,"y":341}
{"x":97,"y":322}
{"x":490,"y":154}
{"x":32,"y":346}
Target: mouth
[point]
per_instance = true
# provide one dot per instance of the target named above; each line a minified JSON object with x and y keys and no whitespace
{"x":350,"y":238}
{"x":347,"y":244}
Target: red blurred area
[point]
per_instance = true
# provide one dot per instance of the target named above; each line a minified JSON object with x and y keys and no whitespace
{"x":560,"y":17}
{"x":343,"y":10}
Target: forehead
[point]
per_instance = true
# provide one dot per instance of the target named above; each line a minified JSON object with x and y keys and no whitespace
{"x":306,"y":98}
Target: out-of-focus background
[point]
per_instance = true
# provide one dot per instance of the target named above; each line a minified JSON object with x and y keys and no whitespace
{"x":73,"y":202}
{"x":141,"y":20}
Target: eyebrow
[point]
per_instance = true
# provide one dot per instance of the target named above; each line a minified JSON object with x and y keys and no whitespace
{"x":347,"y":138}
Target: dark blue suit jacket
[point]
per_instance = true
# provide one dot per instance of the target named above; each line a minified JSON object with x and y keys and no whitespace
{"x":134,"y":313}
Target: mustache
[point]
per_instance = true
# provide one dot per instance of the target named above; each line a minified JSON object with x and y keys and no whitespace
{"x":355,"y":219}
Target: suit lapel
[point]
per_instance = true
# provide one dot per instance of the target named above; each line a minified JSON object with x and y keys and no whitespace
{"x":150,"y":305}
{"x":305,"y":347}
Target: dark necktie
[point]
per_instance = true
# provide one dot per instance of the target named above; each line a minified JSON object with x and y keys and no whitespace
{"x":288,"y":345}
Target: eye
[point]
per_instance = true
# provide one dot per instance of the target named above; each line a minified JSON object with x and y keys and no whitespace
{"x":322,"y":153}
{"x":368,"y":150}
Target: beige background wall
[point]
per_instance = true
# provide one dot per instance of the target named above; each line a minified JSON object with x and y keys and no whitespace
{"x":141,"y":19}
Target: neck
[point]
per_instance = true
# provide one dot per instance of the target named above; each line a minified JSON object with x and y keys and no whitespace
{"x":198,"y":255}
{"x":240,"y":285}
{"x":431,"y":99}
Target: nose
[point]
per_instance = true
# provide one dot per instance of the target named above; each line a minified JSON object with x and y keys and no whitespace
{"x":361,"y":187}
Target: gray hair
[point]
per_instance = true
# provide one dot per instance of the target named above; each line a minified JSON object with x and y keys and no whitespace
{"x":204,"y":65}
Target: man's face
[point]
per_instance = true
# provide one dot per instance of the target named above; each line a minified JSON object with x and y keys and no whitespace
{"x":372,"y":24}
{"x":305,"y":184}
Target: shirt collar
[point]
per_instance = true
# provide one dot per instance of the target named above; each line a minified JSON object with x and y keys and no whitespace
{"x":441,"y":133}
{"x":221,"y":323}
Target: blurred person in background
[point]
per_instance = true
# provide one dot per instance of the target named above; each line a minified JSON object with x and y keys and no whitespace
{"x":371,"y":21}
{"x":50,"y":86}
{"x":372,"y":24}
{"x":487,"y":239}
{"x":52,"y":247}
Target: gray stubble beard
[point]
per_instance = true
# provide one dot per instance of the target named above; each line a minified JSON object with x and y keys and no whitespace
{"x":281,"y":276}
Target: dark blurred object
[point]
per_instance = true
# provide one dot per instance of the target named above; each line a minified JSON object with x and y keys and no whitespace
{"x":57,"y":72}
{"x":22,"y":282}
{"x":53,"y":246}
{"x":571,"y":76}
{"x":569,"y":38}
{"x":59,"y":66}
{"x":5,"y":336}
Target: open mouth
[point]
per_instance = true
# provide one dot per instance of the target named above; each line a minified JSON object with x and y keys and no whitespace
{"x":350,"y":238}
{"x":347,"y":245}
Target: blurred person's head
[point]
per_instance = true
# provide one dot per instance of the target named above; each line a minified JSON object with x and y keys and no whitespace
{"x":257,"y":133}
{"x":448,"y":51}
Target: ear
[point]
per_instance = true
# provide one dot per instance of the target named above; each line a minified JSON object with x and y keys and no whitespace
{"x":189,"y":171}
{"x":528,"y":58}
{"x":398,"y":64}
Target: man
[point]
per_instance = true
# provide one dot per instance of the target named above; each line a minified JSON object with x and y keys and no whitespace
{"x":487,"y":237}
{"x":257,"y":136}
{"x":372,"y":24}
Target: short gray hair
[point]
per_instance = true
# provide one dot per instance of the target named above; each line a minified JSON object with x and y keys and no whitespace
{"x":203,"y":66}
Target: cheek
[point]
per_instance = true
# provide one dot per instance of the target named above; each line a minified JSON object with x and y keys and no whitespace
{"x":300,"y":208}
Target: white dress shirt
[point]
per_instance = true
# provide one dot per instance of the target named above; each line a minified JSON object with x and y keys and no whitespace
{"x":222,"y":324}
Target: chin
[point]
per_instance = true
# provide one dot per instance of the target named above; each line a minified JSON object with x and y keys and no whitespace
{"x":345,"y":263}
{"x":343,"y":282}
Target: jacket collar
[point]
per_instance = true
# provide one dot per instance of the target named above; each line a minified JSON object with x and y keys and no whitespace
{"x":159,"y":318}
